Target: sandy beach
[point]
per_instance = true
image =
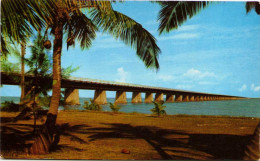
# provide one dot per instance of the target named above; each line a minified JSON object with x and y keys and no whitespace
{"x":105,"y":135}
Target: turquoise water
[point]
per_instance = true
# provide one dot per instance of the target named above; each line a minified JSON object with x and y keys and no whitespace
{"x":246,"y":107}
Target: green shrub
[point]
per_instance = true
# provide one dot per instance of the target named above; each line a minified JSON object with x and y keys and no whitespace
{"x":10,"y":106}
{"x":114,"y":107}
{"x":158,"y":108}
{"x":92,"y":106}
{"x":45,"y":101}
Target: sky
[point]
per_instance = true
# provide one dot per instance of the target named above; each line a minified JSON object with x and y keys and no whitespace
{"x":216,"y":51}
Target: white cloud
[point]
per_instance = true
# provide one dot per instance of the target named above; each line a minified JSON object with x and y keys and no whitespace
{"x":104,"y":42}
{"x":164,"y":77}
{"x":188,"y":27}
{"x":111,"y":45}
{"x":255,"y":88}
{"x":182,"y":86}
{"x":196,"y":74}
{"x":243,"y":88}
{"x":207,"y":83}
{"x":122,"y":75}
{"x":180,"y":36}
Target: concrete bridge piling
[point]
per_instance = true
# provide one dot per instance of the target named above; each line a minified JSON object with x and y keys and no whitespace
{"x":148,"y":97}
{"x":136,"y":97}
{"x":100,"y":97}
{"x":192,"y":98}
{"x":185,"y":98}
{"x":205,"y":98}
{"x":197,"y":98}
{"x":158,"y":97}
{"x":120,"y":97}
{"x":71,"y":96}
{"x":178,"y":98}
{"x":169,"y":98}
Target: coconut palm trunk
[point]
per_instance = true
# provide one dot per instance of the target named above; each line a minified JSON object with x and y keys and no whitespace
{"x":23,"y":46}
{"x":44,"y":142}
{"x":80,"y":27}
{"x":56,"y":85}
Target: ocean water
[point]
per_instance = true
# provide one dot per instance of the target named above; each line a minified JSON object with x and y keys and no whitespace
{"x":245,"y":107}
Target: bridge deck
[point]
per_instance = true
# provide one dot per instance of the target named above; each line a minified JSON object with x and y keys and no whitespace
{"x":87,"y":83}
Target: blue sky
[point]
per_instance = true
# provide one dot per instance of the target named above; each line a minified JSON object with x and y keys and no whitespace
{"x":217,"y":51}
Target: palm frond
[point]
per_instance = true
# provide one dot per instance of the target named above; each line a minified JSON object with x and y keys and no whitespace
{"x":9,"y":67}
{"x":158,"y":108}
{"x":251,"y":5}
{"x":81,"y":4}
{"x":18,"y":18}
{"x":130,"y":32}
{"x":8,"y":47}
{"x":81,"y":28}
{"x":175,"y":13}
{"x":3,"y":48}
{"x":44,"y":11}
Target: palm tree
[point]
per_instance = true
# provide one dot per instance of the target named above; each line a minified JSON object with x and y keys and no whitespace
{"x":174,"y":13}
{"x":18,"y":19}
{"x":68,"y":17}
{"x":78,"y":26}
{"x":23,"y":49}
{"x":158,"y":108}
{"x":114,"y":107}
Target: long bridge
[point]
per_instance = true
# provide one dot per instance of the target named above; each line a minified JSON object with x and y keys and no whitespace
{"x":72,"y":84}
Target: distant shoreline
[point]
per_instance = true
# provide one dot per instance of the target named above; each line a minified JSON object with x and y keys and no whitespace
{"x":243,"y":108}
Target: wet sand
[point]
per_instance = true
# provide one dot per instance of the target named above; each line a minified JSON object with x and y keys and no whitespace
{"x":103,"y":135}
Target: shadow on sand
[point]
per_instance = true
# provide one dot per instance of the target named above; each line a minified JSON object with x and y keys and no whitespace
{"x":17,"y":138}
{"x":169,"y":144}
{"x":172,"y":144}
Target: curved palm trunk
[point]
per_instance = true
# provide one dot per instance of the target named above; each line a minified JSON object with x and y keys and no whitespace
{"x":44,"y":141}
{"x":56,"y":84}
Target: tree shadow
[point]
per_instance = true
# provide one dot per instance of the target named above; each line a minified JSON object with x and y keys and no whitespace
{"x":172,"y":144}
{"x":19,"y":137}
{"x":221,"y":146}
{"x":69,"y":131}
{"x":16,"y":137}
{"x":169,"y":144}
{"x":24,"y":115}
{"x":67,"y":147}
{"x":6,"y":119}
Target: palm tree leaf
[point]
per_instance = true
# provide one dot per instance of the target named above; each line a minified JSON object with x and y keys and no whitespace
{"x":175,"y":13}
{"x":19,"y":17}
{"x":80,"y":27}
{"x":80,"y":4}
{"x":7,"y":66}
{"x":3,"y":48}
{"x":130,"y":32}
{"x":44,"y":10}
{"x":249,"y":6}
